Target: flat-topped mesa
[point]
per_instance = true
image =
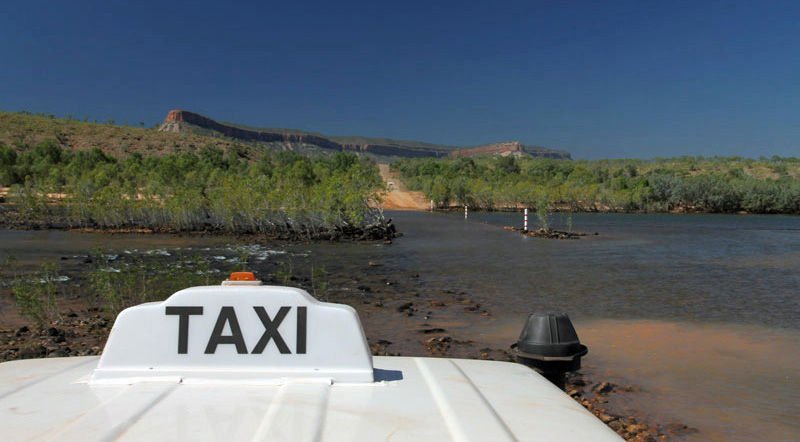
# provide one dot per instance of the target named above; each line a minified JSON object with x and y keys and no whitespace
{"x":175,"y":118}
{"x":184,"y":121}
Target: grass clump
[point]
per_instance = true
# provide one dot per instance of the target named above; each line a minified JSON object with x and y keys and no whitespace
{"x":543,"y":211}
{"x":35,"y":297}
{"x":319,"y":282}
{"x":116,"y":286}
{"x":285,"y":272}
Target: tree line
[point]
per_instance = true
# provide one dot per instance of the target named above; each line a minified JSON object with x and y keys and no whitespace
{"x":693,"y":184}
{"x":207,"y":189}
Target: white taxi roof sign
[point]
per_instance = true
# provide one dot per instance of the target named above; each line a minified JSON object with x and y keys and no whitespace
{"x":236,"y":333}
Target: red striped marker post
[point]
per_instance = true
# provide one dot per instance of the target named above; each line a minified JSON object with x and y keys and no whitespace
{"x":525,"y":221}
{"x":465,"y":211}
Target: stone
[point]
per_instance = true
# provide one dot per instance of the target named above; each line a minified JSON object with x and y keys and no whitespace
{"x":37,"y":351}
{"x":636,"y":428}
{"x":677,"y":429}
{"x":603,"y":387}
{"x":432,"y":330}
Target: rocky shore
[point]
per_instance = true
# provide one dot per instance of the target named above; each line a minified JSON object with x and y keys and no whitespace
{"x":547,"y":233}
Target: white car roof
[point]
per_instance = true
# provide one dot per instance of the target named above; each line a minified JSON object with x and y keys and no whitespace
{"x":412,"y":399}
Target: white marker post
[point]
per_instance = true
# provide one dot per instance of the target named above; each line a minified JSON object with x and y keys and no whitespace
{"x":525,"y":222}
{"x":466,"y":212}
{"x":431,"y":205}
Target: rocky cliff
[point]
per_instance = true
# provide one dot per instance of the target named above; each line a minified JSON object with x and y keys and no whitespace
{"x":177,"y":118}
{"x":184,"y":121}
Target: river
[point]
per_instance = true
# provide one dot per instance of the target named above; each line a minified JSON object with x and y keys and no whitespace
{"x":700,"y":313}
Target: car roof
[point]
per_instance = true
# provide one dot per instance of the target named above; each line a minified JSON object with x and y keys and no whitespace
{"x":410,"y":399}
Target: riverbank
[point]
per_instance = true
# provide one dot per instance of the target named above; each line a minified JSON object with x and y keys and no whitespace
{"x":380,"y":230}
{"x":400,"y":315}
{"x":82,"y":331}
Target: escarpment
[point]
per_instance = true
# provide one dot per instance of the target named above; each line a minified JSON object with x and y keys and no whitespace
{"x":180,"y":121}
{"x":176,"y":119}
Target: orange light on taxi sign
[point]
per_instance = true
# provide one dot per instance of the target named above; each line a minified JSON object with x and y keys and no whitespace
{"x":242,"y":276}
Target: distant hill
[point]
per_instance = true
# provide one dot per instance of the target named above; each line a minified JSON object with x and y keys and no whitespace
{"x":18,"y":129}
{"x":184,"y":131}
{"x":181,"y":121}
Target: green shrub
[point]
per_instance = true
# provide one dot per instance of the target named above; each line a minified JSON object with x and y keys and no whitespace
{"x":543,"y":211}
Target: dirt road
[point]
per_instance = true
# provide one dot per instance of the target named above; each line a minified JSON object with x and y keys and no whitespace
{"x":400,"y":198}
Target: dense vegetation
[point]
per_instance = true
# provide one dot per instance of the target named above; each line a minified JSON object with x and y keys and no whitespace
{"x":209,"y":190}
{"x":679,"y":184}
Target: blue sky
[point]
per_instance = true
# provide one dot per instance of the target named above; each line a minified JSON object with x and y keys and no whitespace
{"x":600,"y":79}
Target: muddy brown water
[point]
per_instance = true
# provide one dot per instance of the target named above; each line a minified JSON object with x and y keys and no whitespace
{"x":700,"y":313}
